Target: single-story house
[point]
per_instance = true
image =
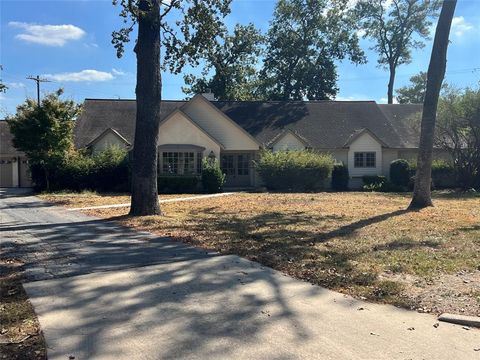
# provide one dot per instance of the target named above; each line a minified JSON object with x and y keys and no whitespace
{"x":13,"y":163}
{"x":363,"y":135}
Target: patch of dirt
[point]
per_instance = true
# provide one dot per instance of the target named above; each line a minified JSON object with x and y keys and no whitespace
{"x":448,"y":293}
{"x":20,"y":334}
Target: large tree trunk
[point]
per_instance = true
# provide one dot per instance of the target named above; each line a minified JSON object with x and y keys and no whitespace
{"x":436,"y":72}
{"x":148,"y":91}
{"x":391,"y":83}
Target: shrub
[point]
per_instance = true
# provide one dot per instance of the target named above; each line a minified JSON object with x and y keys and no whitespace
{"x":177,"y":184}
{"x":340,"y":177}
{"x":213,"y":178}
{"x":111,"y":170}
{"x":400,"y":172}
{"x":380,"y":183}
{"x":107,"y":171}
{"x":443,"y":174}
{"x":294,"y":170}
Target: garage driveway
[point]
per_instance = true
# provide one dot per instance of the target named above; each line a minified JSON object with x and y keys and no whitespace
{"x":102,"y":291}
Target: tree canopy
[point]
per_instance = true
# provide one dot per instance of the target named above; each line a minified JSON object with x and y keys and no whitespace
{"x":413,"y":93}
{"x":304,"y":40}
{"x":396,"y":27}
{"x":233,"y":62}
{"x":44,"y":133}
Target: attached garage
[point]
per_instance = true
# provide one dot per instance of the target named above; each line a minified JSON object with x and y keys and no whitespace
{"x":14,"y":170}
{"x":6,"y":173}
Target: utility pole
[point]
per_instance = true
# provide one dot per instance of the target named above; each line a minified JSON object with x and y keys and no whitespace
{"x":38,"y":81}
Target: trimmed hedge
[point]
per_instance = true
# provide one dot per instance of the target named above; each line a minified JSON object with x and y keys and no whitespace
{"x":340,"y":177}
{"x":213,"y":178}
{"x":400,"y":172}
{"x":107,"y":171}
{"x":294,"y":170}
{"x":443,"y":174}
{"x":177,"y":184}
{"x":380,"y":183}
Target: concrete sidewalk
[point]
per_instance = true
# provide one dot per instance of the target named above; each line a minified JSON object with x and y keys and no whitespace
{"x":103,"y":291}
{"x":226,"y":307}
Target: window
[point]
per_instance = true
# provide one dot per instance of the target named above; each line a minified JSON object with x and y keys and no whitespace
{"x":365,"y":159}
{"x":179,"y":163}
{"x":243,"y":164}
{"x":227,"y":165}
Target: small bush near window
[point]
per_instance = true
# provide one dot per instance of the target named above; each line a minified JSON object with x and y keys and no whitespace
{"x":400,"y":172}
{"x":213,"y":178}
{"x":340,"y":177}
{"x":294,"y":170}
{"x":177,"y":184}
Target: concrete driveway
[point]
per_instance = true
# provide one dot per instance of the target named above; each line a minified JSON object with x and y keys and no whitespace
{"x":102,"y":291}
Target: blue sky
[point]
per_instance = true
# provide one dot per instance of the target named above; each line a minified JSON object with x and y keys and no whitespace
{"x":68,"y":42}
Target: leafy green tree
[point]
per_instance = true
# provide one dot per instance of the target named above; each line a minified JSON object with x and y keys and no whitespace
{"x":187,"y":30}
{"x":233,"y":62}
{"x":413,"y":93}
{"x":396,"y":27}
{"x":304,"y":40}
{"x":458,"y":132}
{"x":436,"y":71}
{"x":44,"y":133}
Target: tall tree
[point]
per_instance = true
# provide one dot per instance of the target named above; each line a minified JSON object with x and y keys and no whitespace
{"x":304,"y":40}
{"x":396,"y":27}
{"x":187,"y":30}
{"x":436,"y":72}
{"x":233,"y":62}
{"x":44,"y":133}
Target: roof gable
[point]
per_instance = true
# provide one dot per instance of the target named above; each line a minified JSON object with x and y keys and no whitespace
{"x":359,"y":133}
{"x":189,"y":119}
{"x":103,"y":134}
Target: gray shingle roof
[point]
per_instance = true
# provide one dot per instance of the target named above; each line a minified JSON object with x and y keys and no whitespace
{"x":99,"y":115}
{"x":6,"y":145}
{"x":401,"y":117}
{"x":323,"y":124}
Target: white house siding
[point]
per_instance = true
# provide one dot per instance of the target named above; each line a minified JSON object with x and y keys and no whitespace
{"x":387,"y":157}
{"x":108,"y":139}
{"x":179,"y":130}
{"x":215,"y":123}
{"x":288,"y":141}
{"x":365,"y":143}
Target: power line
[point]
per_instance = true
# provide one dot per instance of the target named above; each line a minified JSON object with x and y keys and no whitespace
{"x":38,"y":81}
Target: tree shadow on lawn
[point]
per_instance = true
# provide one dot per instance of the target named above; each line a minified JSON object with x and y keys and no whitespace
{"x":279,"y":240}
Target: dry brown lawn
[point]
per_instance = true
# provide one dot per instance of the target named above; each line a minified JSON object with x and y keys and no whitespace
{"x":363,"y":244}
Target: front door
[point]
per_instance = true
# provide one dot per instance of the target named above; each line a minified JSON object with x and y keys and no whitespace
{"x":237,"y":168}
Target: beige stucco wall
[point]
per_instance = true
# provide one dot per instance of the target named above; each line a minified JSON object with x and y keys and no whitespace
{"x":365,"y":142}
{"x":109,"y":139}
{"x":214,"y":123}
{"x":388,"y":156}
{"x":179,"y":130}
{"x":288,"y":141}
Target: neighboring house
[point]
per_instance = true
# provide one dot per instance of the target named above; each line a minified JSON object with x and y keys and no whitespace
{"x":363,"y":135}
{"x":14,"y":170}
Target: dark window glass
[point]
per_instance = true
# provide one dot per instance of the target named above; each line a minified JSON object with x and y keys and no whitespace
{"x":227,"y":165}
{"x":365,"y":159}
{"x":370,"y":159}
{"x":358,"y":159}
{"x":243,"y":164}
